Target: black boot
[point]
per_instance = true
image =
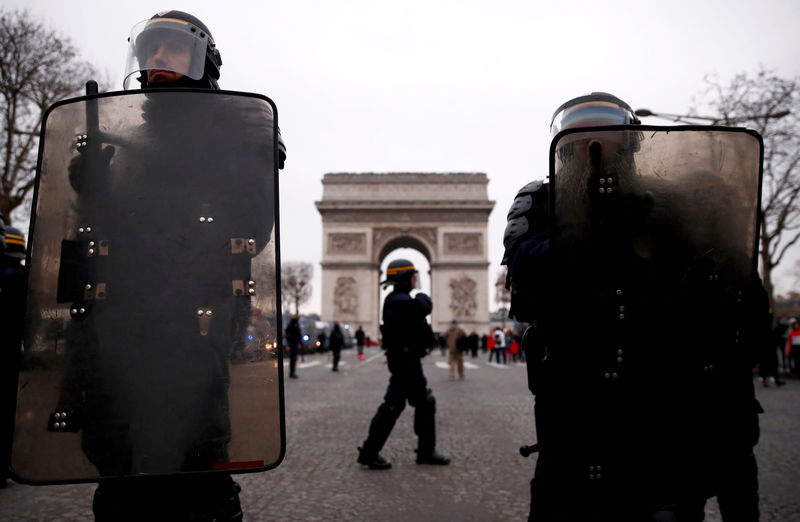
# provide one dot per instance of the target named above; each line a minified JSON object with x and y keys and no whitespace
{"x":432,"y":457}
{"x":375,"y":461}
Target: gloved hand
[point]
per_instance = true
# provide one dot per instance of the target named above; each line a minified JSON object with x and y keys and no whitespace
{"x":78,"y":166}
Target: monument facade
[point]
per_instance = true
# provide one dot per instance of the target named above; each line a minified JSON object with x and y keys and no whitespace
{"x":443,"y":216}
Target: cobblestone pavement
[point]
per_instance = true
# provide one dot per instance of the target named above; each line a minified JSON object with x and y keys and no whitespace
{"x":481,"y":422}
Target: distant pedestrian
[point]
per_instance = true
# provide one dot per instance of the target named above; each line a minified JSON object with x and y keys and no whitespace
{"x":335,"y":343}
{"x":513,"y":349}
{"x":499,"y":350}
{"x":294,"y":339}
{"x":360,"y":342}
{"x":455,"y":338}
{"x":474,"y":341}
{"x":793,"y":346}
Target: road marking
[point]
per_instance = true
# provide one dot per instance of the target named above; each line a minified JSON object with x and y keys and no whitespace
{"x":445,"y":366}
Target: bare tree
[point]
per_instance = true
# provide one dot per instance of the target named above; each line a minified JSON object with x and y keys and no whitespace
{"x":296,"y":283}
{"x":37,"y":68}
{"x":771,"y":105}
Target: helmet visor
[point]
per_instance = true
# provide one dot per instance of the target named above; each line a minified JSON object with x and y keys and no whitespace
{"x":591,"y":114}
{"x":165,"y":44}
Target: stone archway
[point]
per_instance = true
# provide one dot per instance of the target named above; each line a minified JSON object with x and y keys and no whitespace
{"x":443,"y":216}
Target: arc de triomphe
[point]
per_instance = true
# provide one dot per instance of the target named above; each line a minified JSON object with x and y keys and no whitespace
{"x":367,"y":216}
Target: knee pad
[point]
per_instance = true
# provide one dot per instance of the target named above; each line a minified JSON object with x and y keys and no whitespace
{"x":427,"y":403}
{"x":391,"y":409}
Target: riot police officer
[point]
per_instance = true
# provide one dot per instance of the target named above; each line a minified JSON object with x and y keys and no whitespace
{"x":171,"y":49}
{"x":625,"y":414}
{"x":12,"y":298}
{"x":406,"y":337}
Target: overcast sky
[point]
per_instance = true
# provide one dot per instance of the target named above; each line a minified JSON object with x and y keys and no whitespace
{"x":445,"y":86}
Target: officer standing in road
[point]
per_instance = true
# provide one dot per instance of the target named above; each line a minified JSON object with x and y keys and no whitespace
{"x":294,"y":340}
{"x":407,"y":337}
{"x":630,"y":415}
{"x":172,"y":49}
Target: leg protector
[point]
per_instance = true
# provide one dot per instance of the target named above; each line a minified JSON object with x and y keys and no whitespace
{"x":381,"y":426}
{"x":425,"y":423}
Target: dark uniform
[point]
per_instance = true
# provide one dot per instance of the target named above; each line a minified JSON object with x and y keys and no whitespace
{"x":336,"y":344}
{"x":155,"y":401}
{"x":293,"y":340}
{"x":407,"y":337}
{"x":629,"y":411}
{"x":12,"y":299}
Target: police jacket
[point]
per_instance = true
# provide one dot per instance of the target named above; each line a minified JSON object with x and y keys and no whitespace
{"x":404,"y":325}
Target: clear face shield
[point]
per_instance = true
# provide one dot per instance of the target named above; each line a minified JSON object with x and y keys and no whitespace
{"x":593,"y":113}
{"x":162,"y":46}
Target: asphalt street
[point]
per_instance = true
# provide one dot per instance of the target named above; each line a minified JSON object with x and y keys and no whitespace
{"x":481,"y":423}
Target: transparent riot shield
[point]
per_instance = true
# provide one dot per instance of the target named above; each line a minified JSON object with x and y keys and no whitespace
{"x":152,"y":325}
{"x":655,"y":209}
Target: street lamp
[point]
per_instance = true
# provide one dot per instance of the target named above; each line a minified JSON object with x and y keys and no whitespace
{"x":688,"y":118}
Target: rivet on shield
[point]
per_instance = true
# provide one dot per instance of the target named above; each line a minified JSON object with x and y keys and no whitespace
{"x":619,"y":292}
{"x":81,"y":230}
{"x":608,"y":375}
{"x":210,"y":220}
{"x":200,"y":312}
{"x":602,"y":190}
{"x":251,"y":291}
{"x":209,"y":313}
{"x":88,"y":230}
{"x":57,"y":415}
{"x":619,"y":352}
{"x":619,"y":359}
{"x":622,"y":316}
{"x":610,"y":181}
{"x":610,"y":190}
{"x":614,"y":375}
{"x":202,"y":219}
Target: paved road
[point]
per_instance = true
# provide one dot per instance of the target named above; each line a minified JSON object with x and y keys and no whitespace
{"x":481,"y":423}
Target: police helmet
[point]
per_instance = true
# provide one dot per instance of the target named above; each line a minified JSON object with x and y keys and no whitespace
{"x":15,"y":243}
{"x":592,"y":110}
{"x":185,"y":46}
{"x":399,"y":270}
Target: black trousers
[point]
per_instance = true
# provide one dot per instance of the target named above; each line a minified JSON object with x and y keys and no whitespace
{"x":208,"y":497}
{"x":407,"y":383}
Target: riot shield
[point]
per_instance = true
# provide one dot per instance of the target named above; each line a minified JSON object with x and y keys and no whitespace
{"x":654,"y":232}
{"x":655,"y":208}
{"x":152,"y":325}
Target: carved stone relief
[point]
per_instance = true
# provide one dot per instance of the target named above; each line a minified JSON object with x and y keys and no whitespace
{"x":345,"y":296}
{"x":460,"y":243}
{"x":347,"y":243}
{"x":462,"y":297}
{"x":381,"y":235}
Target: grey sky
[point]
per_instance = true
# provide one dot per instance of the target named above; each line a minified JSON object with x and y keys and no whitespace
{"x":445,"y":86}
